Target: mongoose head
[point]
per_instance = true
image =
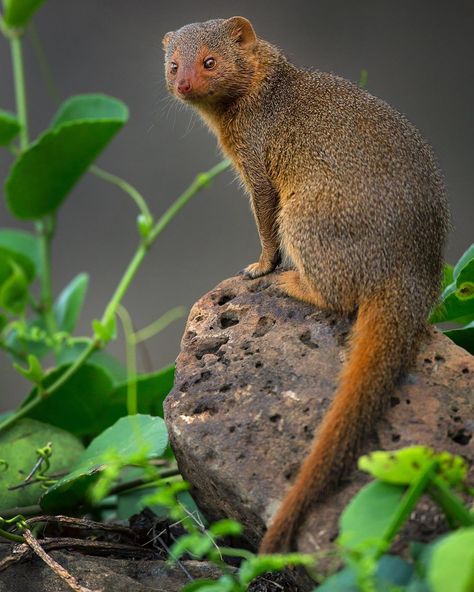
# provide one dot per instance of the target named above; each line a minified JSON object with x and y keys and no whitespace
{"x":210,"y":62}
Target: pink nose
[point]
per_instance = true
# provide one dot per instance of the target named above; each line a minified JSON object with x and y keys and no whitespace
{"x":184,"y":86}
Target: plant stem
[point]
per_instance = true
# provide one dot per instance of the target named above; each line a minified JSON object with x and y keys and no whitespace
{"x":124,"y":283}
{"x":151,"y":330}
{"x":11,"y":537}
{"x":36,"y":400}
{"x":406,"y":506}
{"x":125,"y":186}
{"x":201,"y":181}
{"x":44,"y":230}
{"x":450,"y":503}
{"x":20,"y":94}
{"x":131,"y":360}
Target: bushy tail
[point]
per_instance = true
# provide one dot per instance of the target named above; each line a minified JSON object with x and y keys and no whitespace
{"x":383,"y":339}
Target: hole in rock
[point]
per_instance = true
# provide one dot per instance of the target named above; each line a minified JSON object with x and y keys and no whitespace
{"x":306,"y":339}
{"x":263,"y":326}
{"x":461,"y":436}
{"x":228,"y":319}
{"x":225,"y":298}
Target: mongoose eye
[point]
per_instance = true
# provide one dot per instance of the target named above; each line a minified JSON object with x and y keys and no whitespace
{"x":209,"y":63}
{"x":173,"y":67}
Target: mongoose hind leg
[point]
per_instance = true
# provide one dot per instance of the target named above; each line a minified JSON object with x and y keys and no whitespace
{"x":293,"y":284}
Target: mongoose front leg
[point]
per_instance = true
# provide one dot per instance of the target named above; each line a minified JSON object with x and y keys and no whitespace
{"x":265,"y":205}
{"x":293,"y":284}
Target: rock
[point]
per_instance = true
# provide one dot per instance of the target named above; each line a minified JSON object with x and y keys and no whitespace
{"x":256,"y":373}
{"x":103,"y":573}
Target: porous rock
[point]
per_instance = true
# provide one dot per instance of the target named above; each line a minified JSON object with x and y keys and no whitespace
{"x":107,"y":574}
{"x":255,"y":375}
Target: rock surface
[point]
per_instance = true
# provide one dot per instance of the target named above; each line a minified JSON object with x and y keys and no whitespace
{"x":103,"y":573}
{"x":256,"y":372}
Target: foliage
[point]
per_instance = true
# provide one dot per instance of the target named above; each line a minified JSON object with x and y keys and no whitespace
{"x":76,"y":385}
{"x":457,"y":301}
{"x":91,"y":429}
{"x":374,"y":517}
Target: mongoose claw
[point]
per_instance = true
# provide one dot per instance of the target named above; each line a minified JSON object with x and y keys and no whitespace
{"x":255,"y":270}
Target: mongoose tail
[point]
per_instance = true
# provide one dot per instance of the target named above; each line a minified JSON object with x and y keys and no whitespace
{"x":381,"y":346}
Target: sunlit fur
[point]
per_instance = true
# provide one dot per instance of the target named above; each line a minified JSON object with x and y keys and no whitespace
{"x":347,"y":189}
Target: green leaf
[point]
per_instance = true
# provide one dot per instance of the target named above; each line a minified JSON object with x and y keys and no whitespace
{"x":45,"y":173}
{"x":226,"y":527}
{"x":463,"y":337}
{"x":18,"y":13}
{"x":113,"y":367}
{"x":92,"y":107}
{"x":122,"y":440}
{"x":391,"y":571}
{"x":258,"y":565}
{"x":457,"y":299}
{"x":133,"y":501}
{"x":452,"y":564}
{"x":23,"y":247}
{"x":77,"y":405}
{"x":69,"y":303}
{"x":9,"y":256}
{"x":34,"y":372}
{"x":18,"y":445}
{"x":206,"y":585}
{"x":196,"y":543}
{"x":448,"y":276}
{"x":9,"y":127}
{"x":152,"y":390}
{"x":105,"y":332}
{"x":28,"y":341}
{"x":404,"y":466}
{"x":369,"y":514}
{"x":225,"y":583}
{"x":14,"y":291}
{"x":463,"y":269}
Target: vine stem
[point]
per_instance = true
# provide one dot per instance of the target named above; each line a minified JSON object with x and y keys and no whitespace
{"x":201,"y":181}
{"x":125,"y":186}
{"x":20,"y":90}
{"x":44,"y":228}
{"x":44,"y":231}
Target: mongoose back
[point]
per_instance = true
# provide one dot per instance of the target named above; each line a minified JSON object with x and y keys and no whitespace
{"x":345,"y":188}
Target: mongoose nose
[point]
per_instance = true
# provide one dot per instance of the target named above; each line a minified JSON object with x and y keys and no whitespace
{"x":184,"y":86}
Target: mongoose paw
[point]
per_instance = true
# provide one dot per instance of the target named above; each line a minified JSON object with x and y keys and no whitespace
{"x":255,"y":270}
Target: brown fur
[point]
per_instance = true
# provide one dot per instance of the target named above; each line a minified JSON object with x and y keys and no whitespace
{"x":344,"y":187}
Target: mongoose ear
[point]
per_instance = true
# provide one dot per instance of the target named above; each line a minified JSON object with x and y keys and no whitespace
{"x":241,"y":31}
{"x":167,"y":39}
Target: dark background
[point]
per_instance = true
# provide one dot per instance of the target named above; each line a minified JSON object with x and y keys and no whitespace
{"x":419,"y":58}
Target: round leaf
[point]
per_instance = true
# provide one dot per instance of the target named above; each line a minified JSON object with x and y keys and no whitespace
{"x":452,"y":564}
{"x":18,"y":446}
{"x":45,"y":173}
{"x":369,"y":514}
{"x":122,"y":439}
{"x":463,"y":337}
{"x":9,"y":127}
{"x":23,"y":247}
{"x":76,"y":405}
{"x":19,"y":12}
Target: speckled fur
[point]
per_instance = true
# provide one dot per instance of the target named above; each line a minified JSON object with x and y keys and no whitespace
{"x":344,"y":186}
